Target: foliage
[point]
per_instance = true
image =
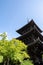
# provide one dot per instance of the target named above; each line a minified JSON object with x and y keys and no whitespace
{"x":26,"y":62}
{"x":12,"y":51}
{"x":1,"y":58}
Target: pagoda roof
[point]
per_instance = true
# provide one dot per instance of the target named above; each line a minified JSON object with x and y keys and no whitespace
{"x":31,"y":23}
{"x":35,"y":42}
{"x":34,"y":47}
{"x":32,"y":31}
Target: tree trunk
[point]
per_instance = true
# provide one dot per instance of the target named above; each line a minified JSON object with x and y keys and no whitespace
{"x":5,"y":62}
{"x":8,"y":61}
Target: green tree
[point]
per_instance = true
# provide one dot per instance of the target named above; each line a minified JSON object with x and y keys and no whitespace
{"x":12,"y":51}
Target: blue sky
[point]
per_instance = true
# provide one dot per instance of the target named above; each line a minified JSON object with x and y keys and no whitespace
{"x":15,"y":13}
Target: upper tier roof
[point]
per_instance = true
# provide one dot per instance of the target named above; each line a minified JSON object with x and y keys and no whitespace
{"x":33,"y":31}
{"x":27,"y":27}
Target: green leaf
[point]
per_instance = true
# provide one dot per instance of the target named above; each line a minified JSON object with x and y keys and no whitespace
{"x":27,"y":62}
{"x":1,"y":58}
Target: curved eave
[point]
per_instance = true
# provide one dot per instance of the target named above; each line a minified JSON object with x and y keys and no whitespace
{"x":26,"y":26}
{"x":37,"y":33}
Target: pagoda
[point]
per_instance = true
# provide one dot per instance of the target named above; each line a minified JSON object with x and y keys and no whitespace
{"x":31,"y":36}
